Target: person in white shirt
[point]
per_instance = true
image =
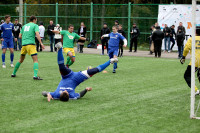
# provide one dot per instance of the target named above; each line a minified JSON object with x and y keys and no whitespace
{"x":57,"y":37}
{"x":41,"y":32}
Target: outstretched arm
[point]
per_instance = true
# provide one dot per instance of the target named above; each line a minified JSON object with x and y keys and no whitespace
{"x":49,"y":97}
{"x":82,"y":93}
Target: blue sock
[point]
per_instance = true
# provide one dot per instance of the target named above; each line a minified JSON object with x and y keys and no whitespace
{"x":103,"y":66}
{"x":115,"y":65}
{"x":60,"y":56}
{"x":11,"y":58}
{"x":3,"y":59}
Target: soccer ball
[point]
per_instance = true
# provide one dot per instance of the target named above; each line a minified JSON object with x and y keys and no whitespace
{"x":89,"y":67}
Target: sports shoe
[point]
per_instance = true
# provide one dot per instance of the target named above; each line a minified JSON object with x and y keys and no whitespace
{"x":114,"y":71}
{"x":58,"y":45}
{"x":197,"y":92}
{"x":13,"y":75}
{"x":113,"y":60}
{"x":37,"y":78}
{"x":44,"y":93}
{"x":11,"y":65}
{"x":3,"y":66}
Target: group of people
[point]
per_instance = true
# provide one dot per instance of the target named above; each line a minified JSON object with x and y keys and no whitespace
{"x":135,"y":32}
{"x":169,"y":35}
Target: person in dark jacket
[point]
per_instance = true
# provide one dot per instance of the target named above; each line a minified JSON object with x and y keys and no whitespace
{"x":172,"y":36}
{"x":181,"y":27}
{"x":51,"y":35}
{"x":157,"y":38}
{"x":150,"y":39}
{"x":167,"y":32}
{"x":81,"y":32}
{"x":134,"y":35}
{"x":104,"y":30}
{"x":180,"y":37}
{"x":117,"y":24}
{"x":121,"y":43}
{"x":17,"y":28}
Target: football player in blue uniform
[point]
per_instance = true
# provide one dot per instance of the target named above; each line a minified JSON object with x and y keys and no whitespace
{"x":70,"y":80}
{"x":7,"y":40}
{"x":113,"y":44}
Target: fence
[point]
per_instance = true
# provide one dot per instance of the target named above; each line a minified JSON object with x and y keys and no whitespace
{"x":93,"y":15}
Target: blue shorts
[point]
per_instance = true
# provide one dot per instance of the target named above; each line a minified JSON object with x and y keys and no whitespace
{"x":7,"y":43}
{"x":113,"y":51}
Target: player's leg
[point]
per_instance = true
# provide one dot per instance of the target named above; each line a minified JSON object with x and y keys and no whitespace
{"x":70,"y":58}
{"x":21,"y":60}
{"x":3,"y":57}
{"x":63,"y":69}
{"x":11,"y":57}
{"x":115,"y":53}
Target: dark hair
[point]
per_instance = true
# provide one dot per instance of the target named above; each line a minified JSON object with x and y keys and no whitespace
{"x":32,"y":18}
{"x":41,"y":23}
{"x":64,"y":97}
{"x":117,"y":21}
{"x":104,"y":23}
{"x":173,"y":25}
{"x":70,"y":25}
{"x":7,"y":16}
{"x":198,"y":30}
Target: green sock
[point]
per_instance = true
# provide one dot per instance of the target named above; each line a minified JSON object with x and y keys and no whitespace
{"x":16,"y":68}
{"x":35,"y":69}
{"x":68,"y":60}
{"x":70,"y":63}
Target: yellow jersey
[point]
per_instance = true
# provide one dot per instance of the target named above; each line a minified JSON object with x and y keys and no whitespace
{"x":188,"y":48}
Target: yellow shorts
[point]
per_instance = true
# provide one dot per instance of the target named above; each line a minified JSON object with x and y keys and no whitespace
{"x":30,"y":49}
{"x":67,"y":50}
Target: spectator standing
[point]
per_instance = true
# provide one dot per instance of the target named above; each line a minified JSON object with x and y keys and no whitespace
{"x":157,"y":38}
{"x":180,"y":37}
{"x":167,"y":32}
{"x":81,"y":32}
{"x":41,"y":32}
{"x":121,"y":42}
{"x":104,"y":41}
{"x":117,"y":24}
{"x":150,"y":38}
{"x":17,"y":28}
{"x":181,"y":27}
{"x":51,"y":34}
{"x":57,"y":37}
{"x":172,"y":36}
{"x":1,"y":35}
{"x":134,"y":36}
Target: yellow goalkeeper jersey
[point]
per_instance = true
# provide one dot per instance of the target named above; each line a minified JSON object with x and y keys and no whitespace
{"x":188,"y":47}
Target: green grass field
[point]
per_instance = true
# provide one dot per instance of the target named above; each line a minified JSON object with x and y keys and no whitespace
{"x":146,"y":95}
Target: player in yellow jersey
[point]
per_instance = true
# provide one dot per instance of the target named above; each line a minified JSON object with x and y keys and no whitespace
{"x":188,"y":47}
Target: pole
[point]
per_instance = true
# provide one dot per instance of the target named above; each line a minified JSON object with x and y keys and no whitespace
{"x":21,"y":11}
{"x":25,"y":13}
{"x":129,"y":22}
{"x":56,"y":13}
{"x":91,"y":20}
{"x":192,"y":115}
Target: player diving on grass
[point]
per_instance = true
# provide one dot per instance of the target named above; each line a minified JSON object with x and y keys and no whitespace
{"x":7,"y":40}
{"x":28,"y":33}
{"x":70,"y":80}
{"x":68,"y":43}
{"x":113,"y":44}
{"x":188,"y":47}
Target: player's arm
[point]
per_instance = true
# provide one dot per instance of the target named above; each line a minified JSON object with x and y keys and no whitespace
{"x":105,"y":35}
{"x":82,"y":93}
{"x":186,"y":50}
{"x":39,"y":39}
{"x":125,"y":42}
{"x":20,"y":35}
{"x":49,"y":97}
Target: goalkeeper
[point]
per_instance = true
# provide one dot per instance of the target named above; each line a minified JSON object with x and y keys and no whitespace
{"x":188,"y":47}
{"x":70,"y":80}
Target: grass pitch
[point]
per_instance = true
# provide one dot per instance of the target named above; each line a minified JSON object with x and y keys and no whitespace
{"x":146,"y":95}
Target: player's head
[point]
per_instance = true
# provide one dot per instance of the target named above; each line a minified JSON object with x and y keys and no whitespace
{"x":120,"y":27}
{"x":64,"y":96}
{"x":134,"y":24}
{"x":114,"y":29}
{"x":82,"y":24}
{"x":180,"y":24}
{"x":16,"y":21}
{"x":33,"y":19}
{"x":116,"y":22}
{"x":51,"y":22}
{"x":70,"y":28}
{"x":105,"y":25}
{"x":198,"y":31}
{"x":7,"y":18}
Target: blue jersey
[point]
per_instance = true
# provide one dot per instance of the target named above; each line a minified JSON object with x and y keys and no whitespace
{"x":7,"y":30}
{"x":69,"y":83}
{"x":115,"y":39}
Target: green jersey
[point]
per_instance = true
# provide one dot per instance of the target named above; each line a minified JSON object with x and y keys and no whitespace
{"x":28,"y":33}
{"x":68,"y":38}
